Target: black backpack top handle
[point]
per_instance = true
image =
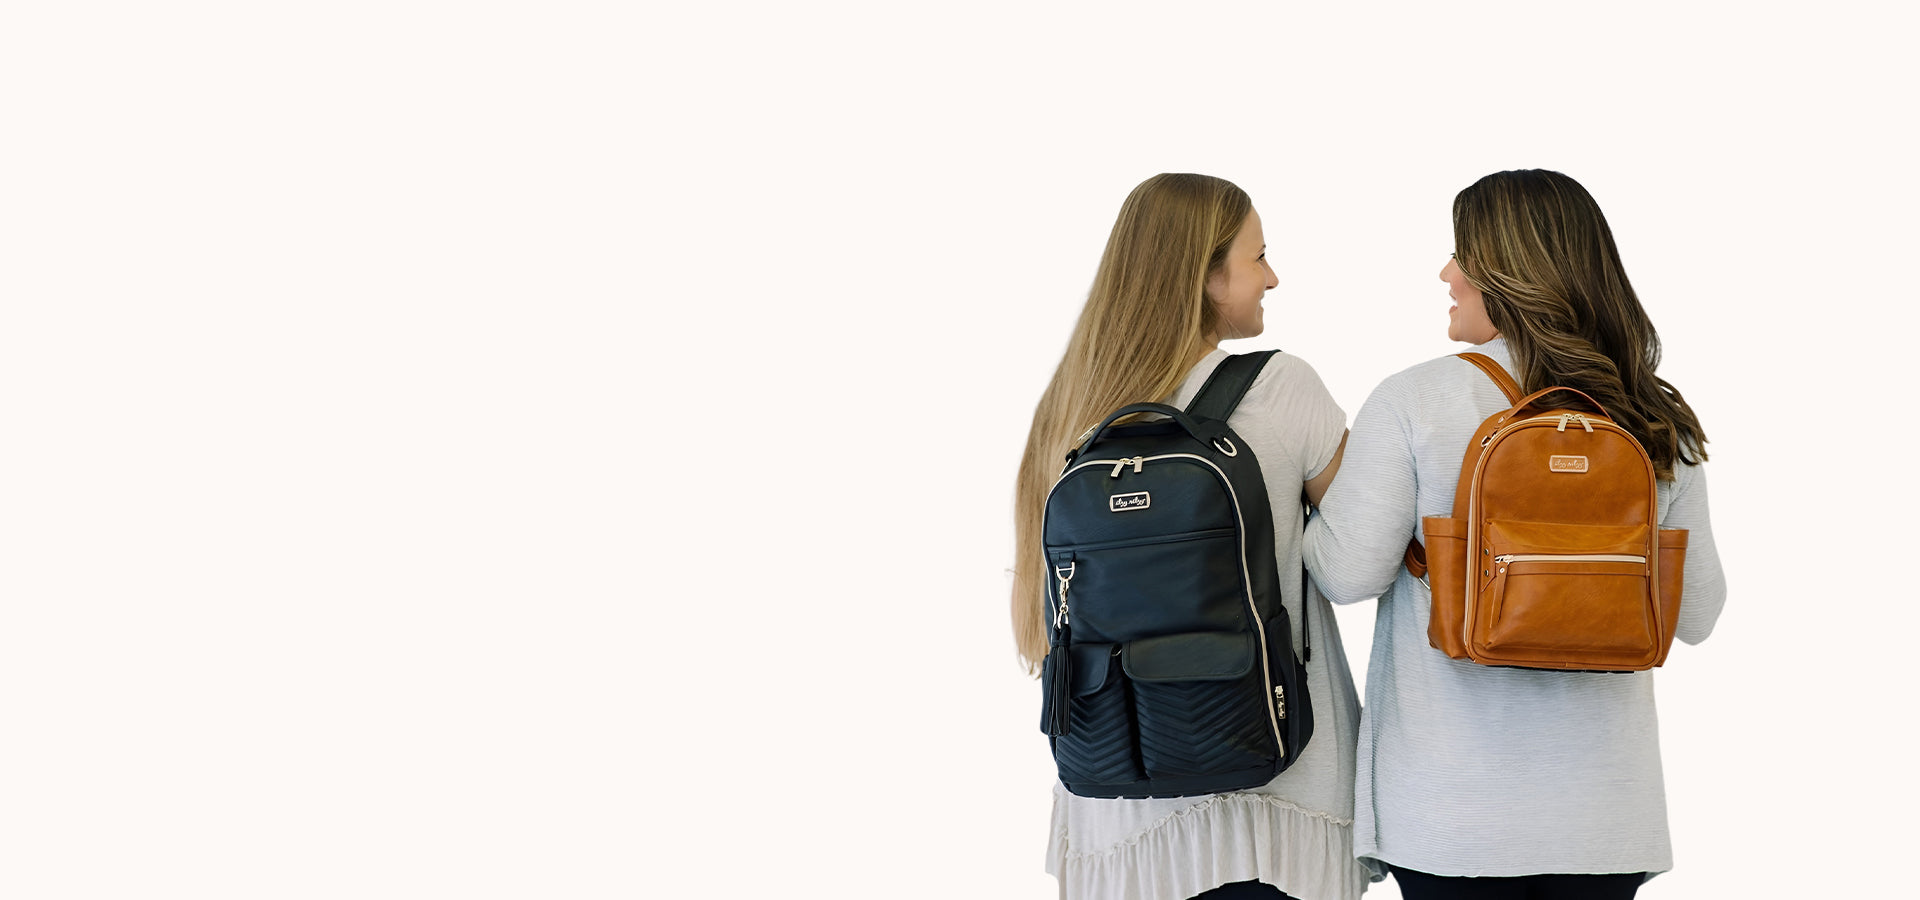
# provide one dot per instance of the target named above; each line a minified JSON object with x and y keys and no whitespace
{"x":1179,"y":416}
{"x":1216,"y":400}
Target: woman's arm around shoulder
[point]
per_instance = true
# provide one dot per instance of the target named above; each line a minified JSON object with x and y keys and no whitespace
{"x":1358,"y":536}
{"x":1316,"y":486}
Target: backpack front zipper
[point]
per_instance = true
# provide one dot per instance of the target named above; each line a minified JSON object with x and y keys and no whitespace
{"x":1155,"y":539}
{"x":1505,"y":558}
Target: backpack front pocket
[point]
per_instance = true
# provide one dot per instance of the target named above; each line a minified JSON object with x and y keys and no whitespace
{"x":1199,"y":703}
{"x":1147,"y":587}
{"x":1568,"y":588}
{"x":1098,"y":745}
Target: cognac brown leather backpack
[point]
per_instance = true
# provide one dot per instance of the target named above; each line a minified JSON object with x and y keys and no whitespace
{"x":1553,"y":557}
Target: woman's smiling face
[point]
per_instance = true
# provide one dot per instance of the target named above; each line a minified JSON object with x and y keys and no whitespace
{"x":1236,"y":288}
{"x":1467,"y":320}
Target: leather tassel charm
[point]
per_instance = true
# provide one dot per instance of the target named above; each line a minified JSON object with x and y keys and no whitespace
{"x":1057,"y":671}
{"x":1059,"y":677}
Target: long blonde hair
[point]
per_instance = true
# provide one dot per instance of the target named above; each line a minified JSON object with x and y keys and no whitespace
{"x":1537,"y":246}
{"x":1146,"y":319}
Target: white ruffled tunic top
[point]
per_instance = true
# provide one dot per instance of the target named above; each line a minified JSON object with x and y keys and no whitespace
{"x":1296,"y":831}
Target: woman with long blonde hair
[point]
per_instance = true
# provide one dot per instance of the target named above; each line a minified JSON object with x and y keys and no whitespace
{"x":1478,"y":781}
{"x":1184,"y":268}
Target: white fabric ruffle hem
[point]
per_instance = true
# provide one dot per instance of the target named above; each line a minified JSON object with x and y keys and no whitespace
{"x":1222,"y":839}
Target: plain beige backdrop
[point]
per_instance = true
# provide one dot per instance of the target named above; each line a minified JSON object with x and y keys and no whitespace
{"x":566,"y":449}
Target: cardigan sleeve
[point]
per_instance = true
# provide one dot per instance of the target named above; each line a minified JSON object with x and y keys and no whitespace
{"x":1356,"y":540}
{"x":1704,"y":586}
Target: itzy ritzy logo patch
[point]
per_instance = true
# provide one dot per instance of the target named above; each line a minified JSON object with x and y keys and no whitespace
{"x":1129,"y":502}
{"x":1570,"y":464}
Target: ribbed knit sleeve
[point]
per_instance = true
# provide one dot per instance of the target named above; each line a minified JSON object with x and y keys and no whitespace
{"x":1704,"y":590}
{"x":1356,"y":540}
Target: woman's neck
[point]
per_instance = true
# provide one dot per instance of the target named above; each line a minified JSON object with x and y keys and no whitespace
{"x":1207,"y":345}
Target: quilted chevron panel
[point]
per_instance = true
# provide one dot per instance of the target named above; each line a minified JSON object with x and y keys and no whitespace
{"x":1098,"y":745}
{"x":1196,"y":728}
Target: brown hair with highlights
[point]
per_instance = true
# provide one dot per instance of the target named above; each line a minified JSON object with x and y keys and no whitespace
{"x":1146,"y":319}
{"x":1537,"y":246}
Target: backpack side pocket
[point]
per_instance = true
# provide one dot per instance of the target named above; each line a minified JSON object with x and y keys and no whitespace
{"x":1673,"y":559}
{"x":1446,"y":542}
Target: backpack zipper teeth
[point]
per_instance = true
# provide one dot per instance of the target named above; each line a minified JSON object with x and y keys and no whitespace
{"x":1568,"y":557}
{"x":1505,"y":558}
{"x":1201,"y":535}
{"x":1560,"y":420}
{"x":1135,"y":461}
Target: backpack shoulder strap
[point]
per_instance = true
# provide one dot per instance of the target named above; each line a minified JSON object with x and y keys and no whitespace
{"x":1415,"y":559}
{"x":1493,"y":370}
{"x":1216,"y":400}
{"x":1228,"y":383}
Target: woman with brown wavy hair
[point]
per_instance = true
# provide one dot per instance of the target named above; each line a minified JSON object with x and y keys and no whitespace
{"x":1477,"y":781}
{"x":1185,"y":268}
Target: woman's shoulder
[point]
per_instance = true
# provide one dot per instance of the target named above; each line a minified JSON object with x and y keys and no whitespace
{"x":1686,"y":474}
{"x":1282,"y":374}
{"x":1290,"y":381}
{"x":1420,"y":381}
{"x":1286,"y":367}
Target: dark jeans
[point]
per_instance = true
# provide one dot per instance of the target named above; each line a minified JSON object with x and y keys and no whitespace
{"x":1421,"y":886}
{"x":1246,"y":890}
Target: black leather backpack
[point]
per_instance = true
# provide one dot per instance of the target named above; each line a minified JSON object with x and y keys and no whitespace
{"x":1171,"y":669}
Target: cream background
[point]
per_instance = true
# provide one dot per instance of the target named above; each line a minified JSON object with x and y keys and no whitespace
{"x":565,"y":449}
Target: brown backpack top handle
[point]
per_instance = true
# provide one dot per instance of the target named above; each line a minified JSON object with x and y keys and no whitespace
{"x":1511,"y":388}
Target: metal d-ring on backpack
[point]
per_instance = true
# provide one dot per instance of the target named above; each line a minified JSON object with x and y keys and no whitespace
{"x":1554,"y":557}
{"x":1171,"y":669}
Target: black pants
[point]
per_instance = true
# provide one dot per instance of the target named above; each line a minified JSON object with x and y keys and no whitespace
{"x":1421,"y":886}
{"x":1246,"y":890}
